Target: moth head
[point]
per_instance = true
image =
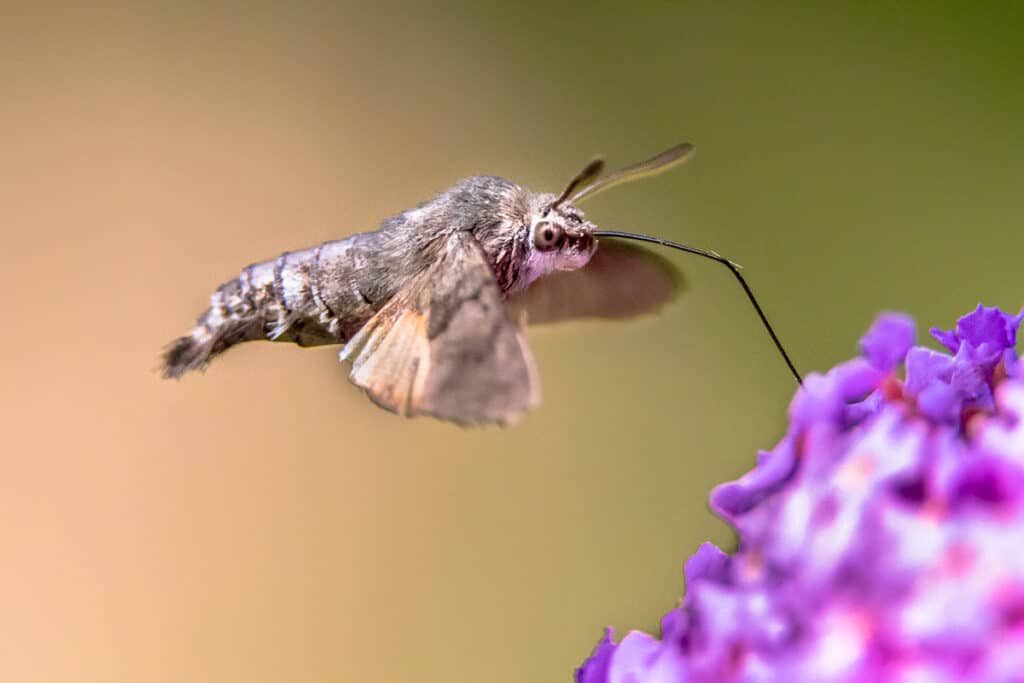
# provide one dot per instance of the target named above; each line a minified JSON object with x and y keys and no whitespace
{"x":536,"y":234}
{"x":559,"y":238}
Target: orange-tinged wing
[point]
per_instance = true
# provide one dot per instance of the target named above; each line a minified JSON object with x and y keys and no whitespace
{"x":445,"y":346}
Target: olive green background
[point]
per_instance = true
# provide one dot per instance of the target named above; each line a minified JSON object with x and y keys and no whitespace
{"x":265,"y":522}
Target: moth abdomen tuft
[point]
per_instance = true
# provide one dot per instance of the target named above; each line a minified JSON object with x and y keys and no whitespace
{"x":180,"y":357}
{"x":196,"y":350}
{"x":237,"y":313}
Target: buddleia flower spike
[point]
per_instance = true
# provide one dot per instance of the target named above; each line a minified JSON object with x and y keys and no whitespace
{"x":880,"y":541}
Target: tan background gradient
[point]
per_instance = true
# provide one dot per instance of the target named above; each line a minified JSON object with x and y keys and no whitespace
{"x":264,"y":522}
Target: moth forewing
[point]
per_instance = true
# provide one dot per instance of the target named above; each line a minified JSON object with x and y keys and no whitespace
{"x":446,"y":346}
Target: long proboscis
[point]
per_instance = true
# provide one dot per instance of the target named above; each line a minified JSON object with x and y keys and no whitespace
{"x":733,"y":268}
{"x":659,"y":163}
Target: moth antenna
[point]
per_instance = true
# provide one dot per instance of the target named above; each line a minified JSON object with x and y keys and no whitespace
{"x":733,"y":268}
{"x":659,"y":163}
{"x":589,"y":172}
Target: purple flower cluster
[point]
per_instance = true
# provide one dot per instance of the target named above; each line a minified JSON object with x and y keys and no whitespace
{"x":881,"y":540}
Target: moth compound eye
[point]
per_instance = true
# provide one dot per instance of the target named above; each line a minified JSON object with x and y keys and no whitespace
{"x":547,"y":236}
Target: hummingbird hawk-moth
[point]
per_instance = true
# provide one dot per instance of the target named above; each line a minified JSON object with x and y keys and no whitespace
{"x":430,"y":306}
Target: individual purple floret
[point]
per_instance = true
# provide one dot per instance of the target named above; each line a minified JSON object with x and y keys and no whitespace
{"x":882,"y":539}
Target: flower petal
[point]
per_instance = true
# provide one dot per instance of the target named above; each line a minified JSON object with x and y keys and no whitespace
{"x":887,"y":342}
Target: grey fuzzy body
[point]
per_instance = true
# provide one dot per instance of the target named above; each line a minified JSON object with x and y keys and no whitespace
{"x":325,"y":294}
{"x":432,"y":306}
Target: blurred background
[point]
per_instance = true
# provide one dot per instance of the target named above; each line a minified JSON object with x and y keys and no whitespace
{"x":265,"y":522}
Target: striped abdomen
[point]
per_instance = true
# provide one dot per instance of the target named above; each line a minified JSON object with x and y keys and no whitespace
{"x":316,"y":296}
